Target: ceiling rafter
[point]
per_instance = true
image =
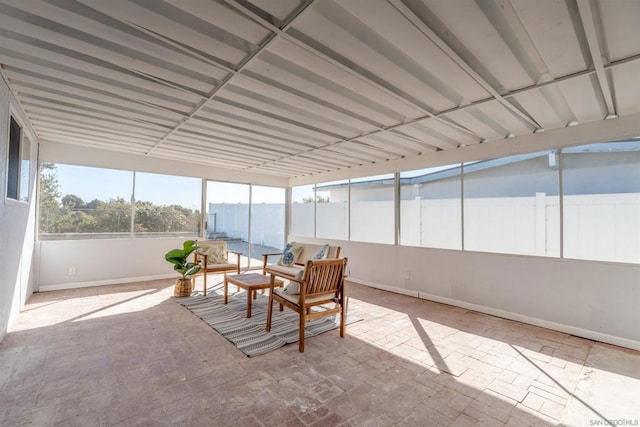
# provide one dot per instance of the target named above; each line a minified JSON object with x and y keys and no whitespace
{"x":447,"y":50}
{"x":56,"y":123}
{"x":593,"y":40}
{"x":312,"y":50}
{"x":220,"y":144}
{"x":523,"y":90}
{"x":558,"y":80}
{"x":86,"y":92}
{"x":65,"y":17}
{"x":103,"y":108}
{"x":270,"y":39}
{"x":537,"y":86}
{"x":76,"y":80}
{"x":502,"y":99}
{"x":21,"y":53}
{"x":400,"y":126}
{"x":47,"y":108}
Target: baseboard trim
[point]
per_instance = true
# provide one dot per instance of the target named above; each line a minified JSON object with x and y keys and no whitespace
{"x":74,"y":285}
{"x":572,"y":330}
{"x":407,"y":292}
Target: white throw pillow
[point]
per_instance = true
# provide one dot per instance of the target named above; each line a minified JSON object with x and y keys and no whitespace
{"x":293,"y":288}
{"x":215,"y":254}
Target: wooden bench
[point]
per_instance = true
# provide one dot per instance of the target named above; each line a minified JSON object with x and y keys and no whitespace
{"x":296,"y":271}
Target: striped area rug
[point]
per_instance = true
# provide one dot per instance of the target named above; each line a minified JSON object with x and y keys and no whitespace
{"x":249,"y":335}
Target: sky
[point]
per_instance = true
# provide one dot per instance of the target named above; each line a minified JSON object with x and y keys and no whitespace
{"x":95,"y":183}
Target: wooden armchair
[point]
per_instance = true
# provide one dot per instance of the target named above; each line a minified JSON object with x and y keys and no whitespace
{"x":322,"y":284}
{"x":213,"y":256}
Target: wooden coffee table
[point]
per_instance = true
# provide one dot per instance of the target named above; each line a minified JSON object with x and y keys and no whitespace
{"x":251,"y":283}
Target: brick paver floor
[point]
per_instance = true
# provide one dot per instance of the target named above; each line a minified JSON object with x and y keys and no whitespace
{"x":129,"y":355}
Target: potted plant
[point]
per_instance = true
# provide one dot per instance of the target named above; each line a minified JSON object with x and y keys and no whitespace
{"x":180,"y":260}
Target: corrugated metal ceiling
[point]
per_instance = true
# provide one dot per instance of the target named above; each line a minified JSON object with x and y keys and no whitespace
{"x":292,"y":88}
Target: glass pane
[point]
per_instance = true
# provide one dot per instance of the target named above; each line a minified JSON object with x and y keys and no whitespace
{"x":511,"y":205}
{"x":228,"y":216}
{"x":25,"y":169}
{"x":267,"y":222}
{"x":430,"y":207}
{"x":332,"y":210}
{"x":167,"y":205}
{"x":84,"y":202}
{"x":601,"y":188}
{"x":13,"y":160}
{"x":372,"y":209}
{"x":302,"y":211}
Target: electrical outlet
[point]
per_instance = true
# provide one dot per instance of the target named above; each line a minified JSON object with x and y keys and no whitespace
{"x":407,"y":276}
{"x":73,"y":271}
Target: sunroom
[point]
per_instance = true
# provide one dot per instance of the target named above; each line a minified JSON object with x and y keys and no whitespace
{"x":481,"y":155}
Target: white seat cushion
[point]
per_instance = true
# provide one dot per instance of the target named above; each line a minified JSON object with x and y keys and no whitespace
{"x":221,"y":265}
{"x":293,"y":271}
{"x":296,"y":298}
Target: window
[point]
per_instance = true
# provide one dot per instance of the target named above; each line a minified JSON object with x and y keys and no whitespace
{"x":79,"y":202}
{"x":249,"y":217}
{"x":431,"y":207}
{"x":228,"y":216}
{"x":167,"y":204}
{"x":332,"y":210}
{"x":511,"y":205}
{"x":303,"y":211}
{"x":18,"y":163}
{"x":372,"y":209}
{"x":25,"y":169}
{"x":601,"y":196}
{"x":267,"y":222}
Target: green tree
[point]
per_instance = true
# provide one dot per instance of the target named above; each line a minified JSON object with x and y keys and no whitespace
{"x":158,"y":218}
{"x":319,"y":199}
{"x":112,"y":216}
{"x":71,"y":214}
{"x":73,"y":202}
{"x":49,"y":198}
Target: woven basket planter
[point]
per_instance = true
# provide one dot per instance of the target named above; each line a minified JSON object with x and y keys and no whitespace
{"x":183,"y":287}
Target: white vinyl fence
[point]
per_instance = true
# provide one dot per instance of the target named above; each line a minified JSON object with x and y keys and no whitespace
{"x":603,"y":227}
{"x":267,"y":222}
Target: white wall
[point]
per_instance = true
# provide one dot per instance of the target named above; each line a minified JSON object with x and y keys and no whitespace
{"x":17,"y":221}
{"x":75,"y":263}
{"x":596,"y":300}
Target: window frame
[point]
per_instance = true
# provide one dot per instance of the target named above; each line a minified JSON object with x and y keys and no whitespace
{"x":13,"y":117}
{"x":130,"y":197}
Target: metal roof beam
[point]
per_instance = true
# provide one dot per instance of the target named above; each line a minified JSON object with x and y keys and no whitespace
{"x":444,"y":47}
{"x":272,"y":37}
{"x":323,"y":56}
{"x":593,"y":40}
{"x":523,"y":90}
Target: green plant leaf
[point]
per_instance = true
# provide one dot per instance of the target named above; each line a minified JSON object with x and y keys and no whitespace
{"x":179,"y":259}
